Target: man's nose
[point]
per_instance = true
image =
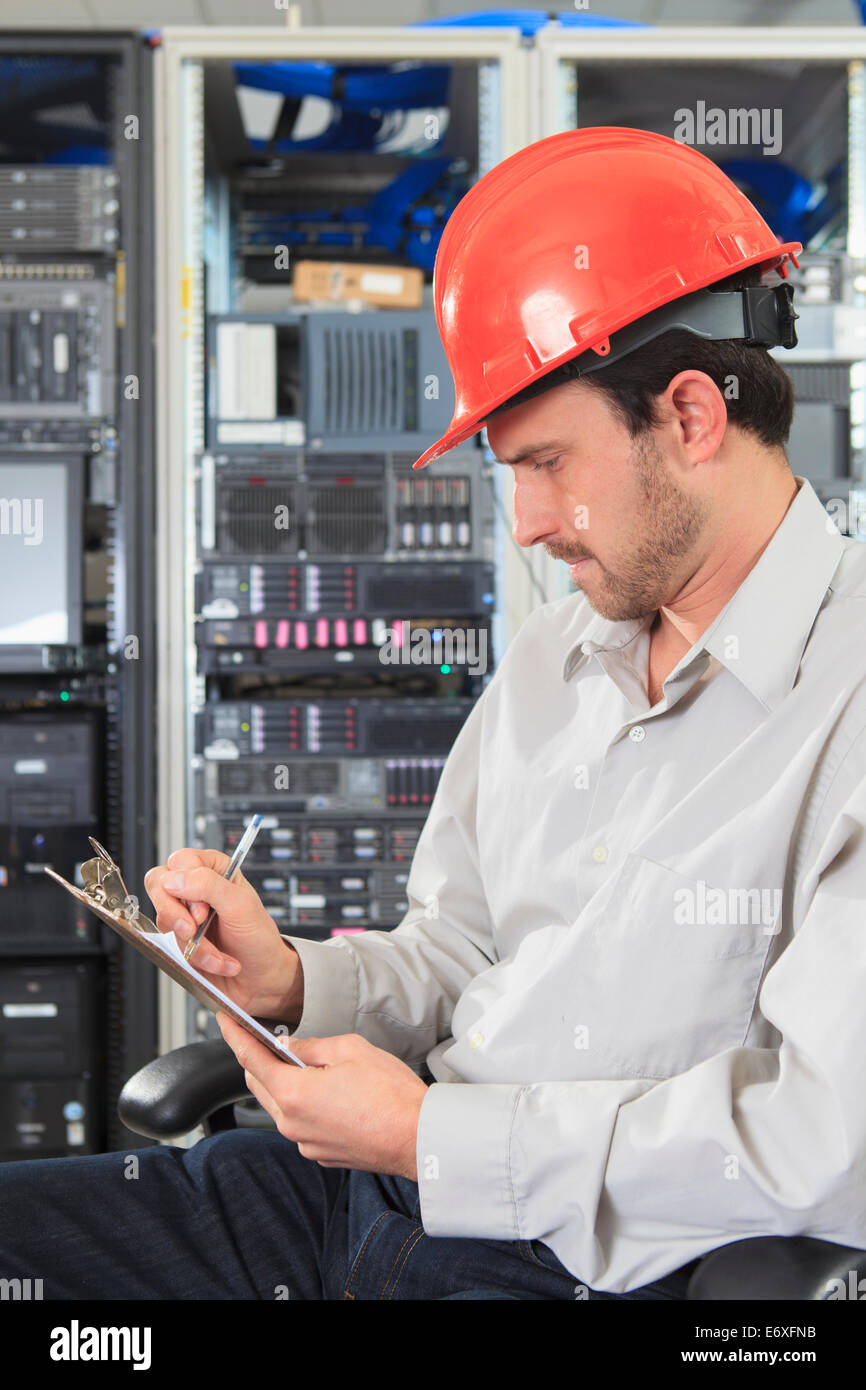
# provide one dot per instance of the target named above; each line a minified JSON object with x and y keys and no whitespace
{"x":533,"y":518}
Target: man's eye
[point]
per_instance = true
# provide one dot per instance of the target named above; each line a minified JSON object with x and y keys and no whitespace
{"x":544,"y":463}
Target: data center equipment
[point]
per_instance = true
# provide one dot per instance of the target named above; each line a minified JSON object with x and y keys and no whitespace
{"x":52,"y":1048}
{"x":230,"y":729}
{"x":330,"y":381}
{"x":365,"y":895}
{"x":357,"y":159}
{"x":308,"y":565}
{"x":57,"y":354}
{"x":342,"y":607}
{"x":345,"y":787}
{"x":50,"y":794}
{"x":255,"y":588}
{"x":404,"y":219}
{"x":58,"y":208}
{"x":310,"y":785}
{"x":353,"y":529}
{"x":326,"y":873}
{"x":76,"y":573}
{"x":321,"y":506}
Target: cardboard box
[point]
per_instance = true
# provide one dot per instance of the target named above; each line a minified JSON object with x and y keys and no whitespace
{"x":395,"y":286}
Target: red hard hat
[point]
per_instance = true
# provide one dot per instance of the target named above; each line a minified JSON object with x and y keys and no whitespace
{"x":576,"y":236}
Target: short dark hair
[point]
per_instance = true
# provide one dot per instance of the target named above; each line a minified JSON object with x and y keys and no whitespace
{"x":764,"y":400}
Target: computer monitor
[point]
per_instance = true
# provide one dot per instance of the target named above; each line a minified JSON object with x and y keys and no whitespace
{"x":41,"y":553}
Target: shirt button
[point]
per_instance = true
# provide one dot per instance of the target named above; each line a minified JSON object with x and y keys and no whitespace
{"x":599,"y":854}
{"x":476,"y":1040}
{"x":637,"y":733}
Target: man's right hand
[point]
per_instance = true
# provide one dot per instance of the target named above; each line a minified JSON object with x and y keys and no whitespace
{"x":243,"y":950}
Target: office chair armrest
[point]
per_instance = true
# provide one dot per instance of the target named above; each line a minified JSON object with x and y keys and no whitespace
{"x":786,"y":1267}
{"x":176,"y":1092}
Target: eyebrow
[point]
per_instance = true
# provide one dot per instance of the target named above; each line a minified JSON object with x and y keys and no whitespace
{"x":533,"y":449}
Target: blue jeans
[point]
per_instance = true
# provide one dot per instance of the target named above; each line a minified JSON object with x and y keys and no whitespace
{"x":243,"y":1215}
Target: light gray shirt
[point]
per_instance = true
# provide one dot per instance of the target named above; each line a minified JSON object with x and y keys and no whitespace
{"x":634,"y":958}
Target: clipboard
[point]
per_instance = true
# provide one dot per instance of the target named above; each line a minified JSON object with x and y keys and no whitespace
{"x":106,"y":895}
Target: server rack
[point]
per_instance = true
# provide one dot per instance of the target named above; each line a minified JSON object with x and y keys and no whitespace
{"x":79,"y":1006}
{"x":341,"y":766}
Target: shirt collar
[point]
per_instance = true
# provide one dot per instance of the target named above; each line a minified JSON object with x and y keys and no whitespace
{"x":760,"y":635}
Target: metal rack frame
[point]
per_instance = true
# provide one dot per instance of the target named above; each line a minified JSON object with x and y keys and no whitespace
{"x":179,"y":174}
{"x":130,"y":780}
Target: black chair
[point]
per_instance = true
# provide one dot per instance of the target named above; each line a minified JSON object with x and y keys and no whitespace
{"x":202,"y":1084}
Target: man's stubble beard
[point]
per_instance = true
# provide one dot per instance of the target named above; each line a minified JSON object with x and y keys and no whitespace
{"x":647,"y":576}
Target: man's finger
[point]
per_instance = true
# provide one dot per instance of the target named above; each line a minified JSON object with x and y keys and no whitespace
{"x":183,"y":859}
{"x":253,"y":1056}
{"x":264,"y":1098}
{"x":203,"y":885}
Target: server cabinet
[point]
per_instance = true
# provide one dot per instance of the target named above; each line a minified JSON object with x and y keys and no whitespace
{"x":302,"y":179}
{"x":78,"y":1011}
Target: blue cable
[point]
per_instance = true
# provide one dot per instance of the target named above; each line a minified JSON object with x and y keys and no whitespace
{"x":527,"y":21}
{"x":362,"y":99}
{"x":785,"y":199}
{"x":366,"y":88}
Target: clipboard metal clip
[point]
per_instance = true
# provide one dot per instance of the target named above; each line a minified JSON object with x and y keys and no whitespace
{"x":103,"y":882}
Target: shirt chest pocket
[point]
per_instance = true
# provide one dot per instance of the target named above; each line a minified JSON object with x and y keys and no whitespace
{"x":678,"y":962}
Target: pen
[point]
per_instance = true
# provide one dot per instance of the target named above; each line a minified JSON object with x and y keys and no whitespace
{"x":244,"y":846}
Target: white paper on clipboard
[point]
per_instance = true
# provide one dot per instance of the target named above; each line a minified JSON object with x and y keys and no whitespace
{"x":167,"y":943}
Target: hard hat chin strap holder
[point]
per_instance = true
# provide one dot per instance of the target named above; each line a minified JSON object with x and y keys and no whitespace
{"x":757,"y":315}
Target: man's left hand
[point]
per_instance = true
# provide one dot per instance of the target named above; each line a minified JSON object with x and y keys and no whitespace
{"x":352,"y":1106}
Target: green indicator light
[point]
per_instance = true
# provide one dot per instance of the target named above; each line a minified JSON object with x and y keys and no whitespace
{"x":245,"y":728}
{"x":445,"y":670}
{"x":64,"y":695}
{"x":244,"y":588}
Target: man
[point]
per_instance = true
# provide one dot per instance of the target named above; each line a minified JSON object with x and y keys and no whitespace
{"x":633,"y":962}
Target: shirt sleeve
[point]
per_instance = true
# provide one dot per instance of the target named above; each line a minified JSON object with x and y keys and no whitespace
{"x":626,"y":1180}
{"x":398,"y":988}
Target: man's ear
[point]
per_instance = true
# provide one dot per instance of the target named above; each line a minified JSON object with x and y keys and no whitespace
{"x":696,"y":407}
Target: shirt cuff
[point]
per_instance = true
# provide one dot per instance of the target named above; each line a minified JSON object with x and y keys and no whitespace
{"x":330,"y":988}
{"x":463,"y":1156}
